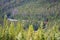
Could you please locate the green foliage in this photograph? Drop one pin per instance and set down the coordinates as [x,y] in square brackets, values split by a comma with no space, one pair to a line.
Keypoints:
[33,10]
[17,32]
[30,8]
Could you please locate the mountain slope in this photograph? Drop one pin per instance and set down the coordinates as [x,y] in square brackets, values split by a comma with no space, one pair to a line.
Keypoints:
[39,9]
[32,8]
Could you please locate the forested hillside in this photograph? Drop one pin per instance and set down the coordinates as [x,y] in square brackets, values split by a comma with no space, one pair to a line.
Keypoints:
[31,9]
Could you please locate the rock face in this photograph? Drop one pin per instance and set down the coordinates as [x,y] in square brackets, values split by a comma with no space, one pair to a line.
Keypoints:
[12,20]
